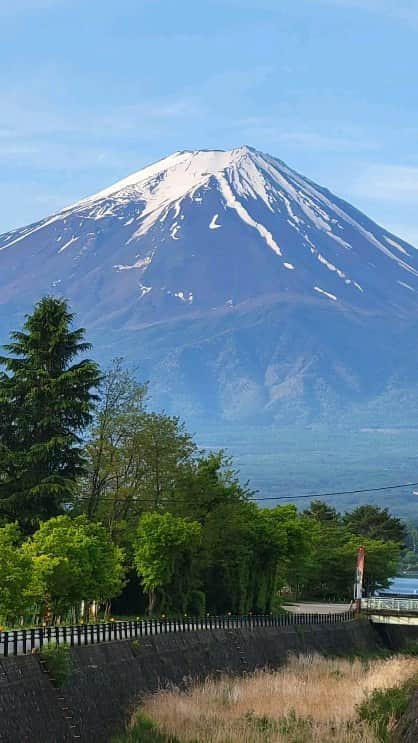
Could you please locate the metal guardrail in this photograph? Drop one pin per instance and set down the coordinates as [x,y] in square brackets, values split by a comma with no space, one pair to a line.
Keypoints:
[390,604]
[23,641]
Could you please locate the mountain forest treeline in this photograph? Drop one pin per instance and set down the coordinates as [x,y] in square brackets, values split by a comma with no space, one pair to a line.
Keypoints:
[104,500]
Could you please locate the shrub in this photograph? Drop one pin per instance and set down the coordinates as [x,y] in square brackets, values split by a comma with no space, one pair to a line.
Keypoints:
[144,731]
[383,708]
[411,648]
[58,662]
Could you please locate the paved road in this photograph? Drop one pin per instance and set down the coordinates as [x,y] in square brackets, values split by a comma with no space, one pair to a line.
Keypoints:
[316,608]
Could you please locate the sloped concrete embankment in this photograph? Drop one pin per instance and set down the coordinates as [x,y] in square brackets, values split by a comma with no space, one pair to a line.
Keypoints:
[108,680]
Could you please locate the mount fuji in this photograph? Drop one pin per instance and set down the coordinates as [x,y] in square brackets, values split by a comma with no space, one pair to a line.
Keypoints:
[241,289]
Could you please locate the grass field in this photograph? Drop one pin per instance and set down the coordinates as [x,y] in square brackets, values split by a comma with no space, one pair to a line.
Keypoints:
[311,700]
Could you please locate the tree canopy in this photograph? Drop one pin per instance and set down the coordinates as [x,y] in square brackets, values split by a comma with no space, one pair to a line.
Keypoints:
[165,551]
[16,572]
[376,523]
[46,400]
[73,560]
[96,489]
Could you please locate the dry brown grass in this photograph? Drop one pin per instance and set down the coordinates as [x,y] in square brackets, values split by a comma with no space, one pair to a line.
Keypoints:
[310,699]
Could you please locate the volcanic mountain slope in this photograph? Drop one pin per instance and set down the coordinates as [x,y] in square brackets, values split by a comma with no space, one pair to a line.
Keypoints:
[240,287]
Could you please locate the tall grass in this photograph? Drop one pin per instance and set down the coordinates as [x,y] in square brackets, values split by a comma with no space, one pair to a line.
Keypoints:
[312,699]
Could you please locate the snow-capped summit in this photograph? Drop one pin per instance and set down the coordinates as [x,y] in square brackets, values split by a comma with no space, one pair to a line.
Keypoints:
[201,240]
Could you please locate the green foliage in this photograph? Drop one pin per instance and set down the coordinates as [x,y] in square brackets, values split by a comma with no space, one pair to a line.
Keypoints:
[149,500]
[375,523]
[409,562]
[384,707]
[165,549]
[204,483]
[135,456]
[321,511]
[46,402]
[144,731]
[228,541]
[15,571]
[329,569]
[73,560]
[409,559]
[410,648]
[58,662]
[296,729]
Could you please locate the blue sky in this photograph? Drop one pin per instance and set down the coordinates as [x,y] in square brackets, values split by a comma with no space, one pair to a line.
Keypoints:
[92,90]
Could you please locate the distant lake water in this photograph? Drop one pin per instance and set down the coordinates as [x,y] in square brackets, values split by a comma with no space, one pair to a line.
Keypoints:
[404,584]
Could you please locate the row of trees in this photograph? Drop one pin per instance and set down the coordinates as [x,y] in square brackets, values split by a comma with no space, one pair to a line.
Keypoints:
[98,494]
[65,563]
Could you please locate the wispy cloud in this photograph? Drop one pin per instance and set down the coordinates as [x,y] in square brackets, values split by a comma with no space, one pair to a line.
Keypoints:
[279,130]
[392,183]
[19,115]
[48,137]
[405,10]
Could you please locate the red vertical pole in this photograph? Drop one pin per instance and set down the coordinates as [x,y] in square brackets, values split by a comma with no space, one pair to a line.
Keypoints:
[358,586]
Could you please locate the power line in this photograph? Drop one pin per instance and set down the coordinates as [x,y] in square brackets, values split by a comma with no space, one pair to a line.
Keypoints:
[342,492]
[312,496]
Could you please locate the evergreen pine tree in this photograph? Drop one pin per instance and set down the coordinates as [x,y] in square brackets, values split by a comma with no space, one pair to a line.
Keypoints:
[46,401]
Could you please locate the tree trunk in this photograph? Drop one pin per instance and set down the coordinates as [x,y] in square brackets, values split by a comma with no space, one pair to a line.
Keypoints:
[152,600]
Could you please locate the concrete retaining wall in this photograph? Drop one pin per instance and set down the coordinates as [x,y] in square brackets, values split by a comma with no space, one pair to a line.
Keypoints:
[108,680]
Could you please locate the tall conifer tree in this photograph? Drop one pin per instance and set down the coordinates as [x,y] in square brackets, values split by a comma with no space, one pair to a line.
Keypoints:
[46,400]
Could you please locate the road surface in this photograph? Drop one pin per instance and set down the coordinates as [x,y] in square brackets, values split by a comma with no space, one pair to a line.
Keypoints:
[316,608]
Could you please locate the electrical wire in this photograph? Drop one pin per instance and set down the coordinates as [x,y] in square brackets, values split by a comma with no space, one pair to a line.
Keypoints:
[312,496]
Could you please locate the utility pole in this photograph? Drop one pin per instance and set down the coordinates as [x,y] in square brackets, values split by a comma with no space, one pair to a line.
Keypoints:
[358,586]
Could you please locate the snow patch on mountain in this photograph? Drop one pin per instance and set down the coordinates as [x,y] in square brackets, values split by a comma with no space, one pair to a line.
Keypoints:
[174,231]
[246,180]
[184,296]
[396,245]
[231,277]
[69,242]
[233,203]
[271,231]
[144,290]
[214,223]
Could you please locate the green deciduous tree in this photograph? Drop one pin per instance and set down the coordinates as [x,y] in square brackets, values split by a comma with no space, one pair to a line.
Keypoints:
[135,456]
[227,557]
[381,561]
[73,561]
[46,399]
[16,575]
[203,483]
[249,555]
[165,557]
[331,567]
[114,465]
